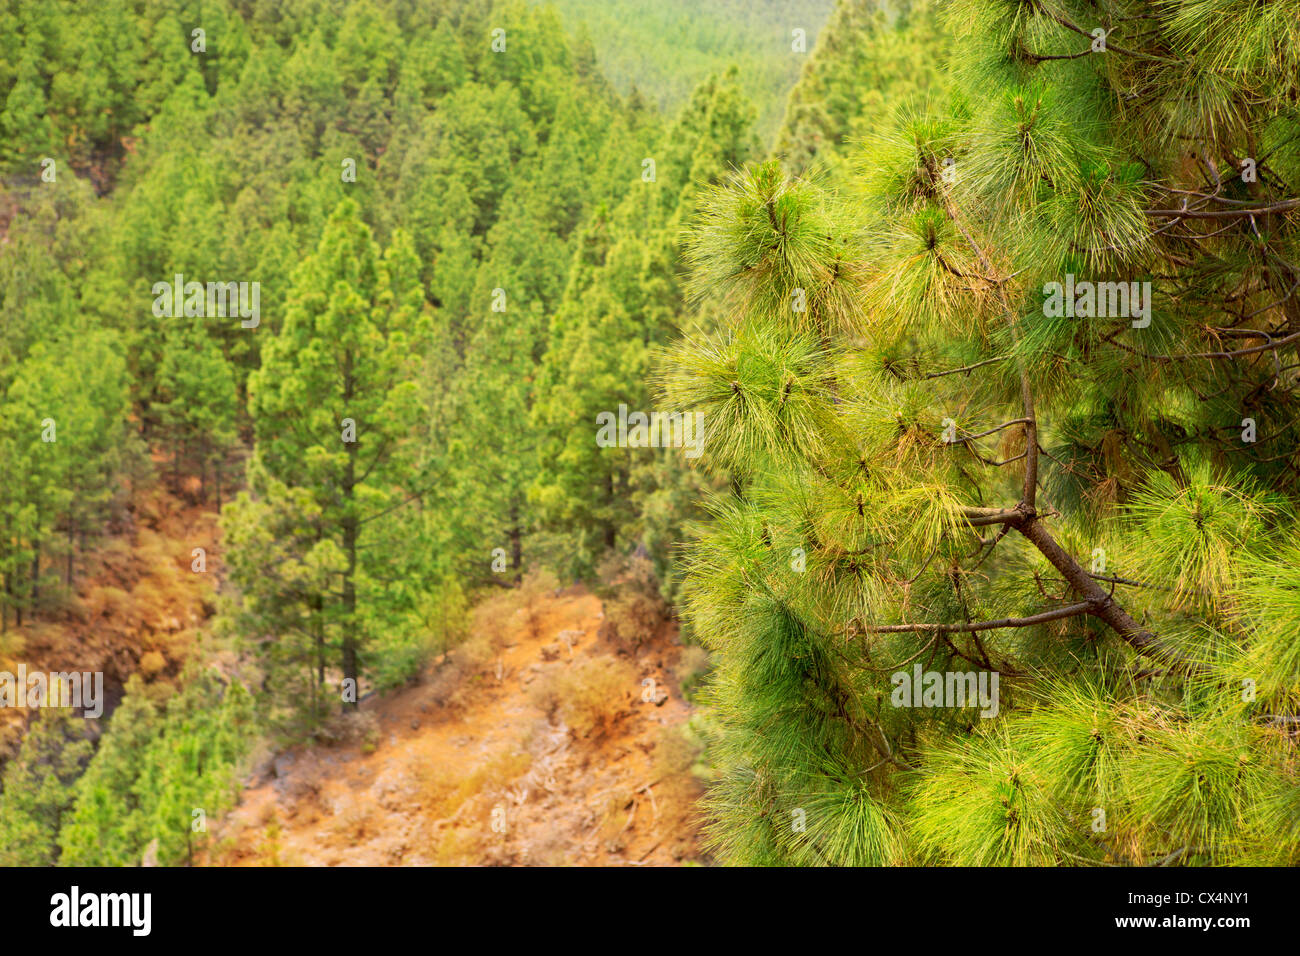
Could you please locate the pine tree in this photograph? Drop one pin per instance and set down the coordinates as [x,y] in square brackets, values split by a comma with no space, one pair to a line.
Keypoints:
[104,827]
[167,754]
[621,303]
[334,406]
[197,404]
[36,788]
[944,469]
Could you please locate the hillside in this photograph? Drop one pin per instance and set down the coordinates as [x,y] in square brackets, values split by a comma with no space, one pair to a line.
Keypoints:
[531,745]
[437,219]
[665,48]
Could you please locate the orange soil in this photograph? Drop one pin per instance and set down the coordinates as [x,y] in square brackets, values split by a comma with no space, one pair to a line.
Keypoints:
[480,773]
[137,605]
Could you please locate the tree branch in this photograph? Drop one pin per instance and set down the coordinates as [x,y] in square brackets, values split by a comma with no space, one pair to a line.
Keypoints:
[1282,206]
[965,368]
[1072,610]
[995,428]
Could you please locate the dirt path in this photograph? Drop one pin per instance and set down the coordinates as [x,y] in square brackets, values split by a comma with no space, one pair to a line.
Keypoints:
[477,764]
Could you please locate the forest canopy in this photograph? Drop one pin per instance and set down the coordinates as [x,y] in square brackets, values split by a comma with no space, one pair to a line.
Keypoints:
[322,320]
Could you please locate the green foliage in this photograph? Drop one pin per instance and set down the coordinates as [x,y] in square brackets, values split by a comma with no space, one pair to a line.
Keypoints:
[36,789]
[161,760]
[870,56]
[334,406]
[475,171]
[932,469]
[665,48]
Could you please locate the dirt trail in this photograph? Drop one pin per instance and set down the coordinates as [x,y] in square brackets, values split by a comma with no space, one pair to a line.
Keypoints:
[477,765]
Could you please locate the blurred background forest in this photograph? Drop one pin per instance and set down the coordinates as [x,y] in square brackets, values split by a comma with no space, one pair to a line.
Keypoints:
[463,250]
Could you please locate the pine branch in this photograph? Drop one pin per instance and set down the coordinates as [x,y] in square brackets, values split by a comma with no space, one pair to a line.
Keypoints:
[1072,610]
[1070,25]
[1187,356]
[1104,605]
[1100,604]
[995,428]
[1282,206]
[965,368]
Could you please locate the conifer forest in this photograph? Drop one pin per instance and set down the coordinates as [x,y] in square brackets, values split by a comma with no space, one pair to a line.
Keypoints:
[608,433]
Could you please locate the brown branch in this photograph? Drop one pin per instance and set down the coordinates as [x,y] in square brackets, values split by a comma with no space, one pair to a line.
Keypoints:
[982,517]
[1186,356]
[995,428]
[1065,22]
[965,368]
[1100,604]
[1104,606]
[1282,206]
[1072,610]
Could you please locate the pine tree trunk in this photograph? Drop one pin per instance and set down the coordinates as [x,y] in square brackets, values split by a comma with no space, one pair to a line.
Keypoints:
[350,609]
[318,685]
[350,552]
[608,524]
[72,548]
[36,568]
[516,543]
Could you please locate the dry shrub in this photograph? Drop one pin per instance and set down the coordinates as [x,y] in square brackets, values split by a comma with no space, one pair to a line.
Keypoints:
[634,611]
[269,851]
[456,679]
[354,727]
[675,752]
[535,584]
[352,821]
[500,612]
[490,620]
[442,791]
[476,653]
[495,619]
[612,811]
[152,663]
[436,787]
[459,847]
[678,789]
[632,620]
[588,694]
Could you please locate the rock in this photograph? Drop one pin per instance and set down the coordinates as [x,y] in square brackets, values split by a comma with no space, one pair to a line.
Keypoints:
[262,771]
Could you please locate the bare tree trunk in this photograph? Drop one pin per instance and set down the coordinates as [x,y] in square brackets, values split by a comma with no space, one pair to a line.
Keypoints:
[608,524]
[72,549]
[350,531]
[516,542]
